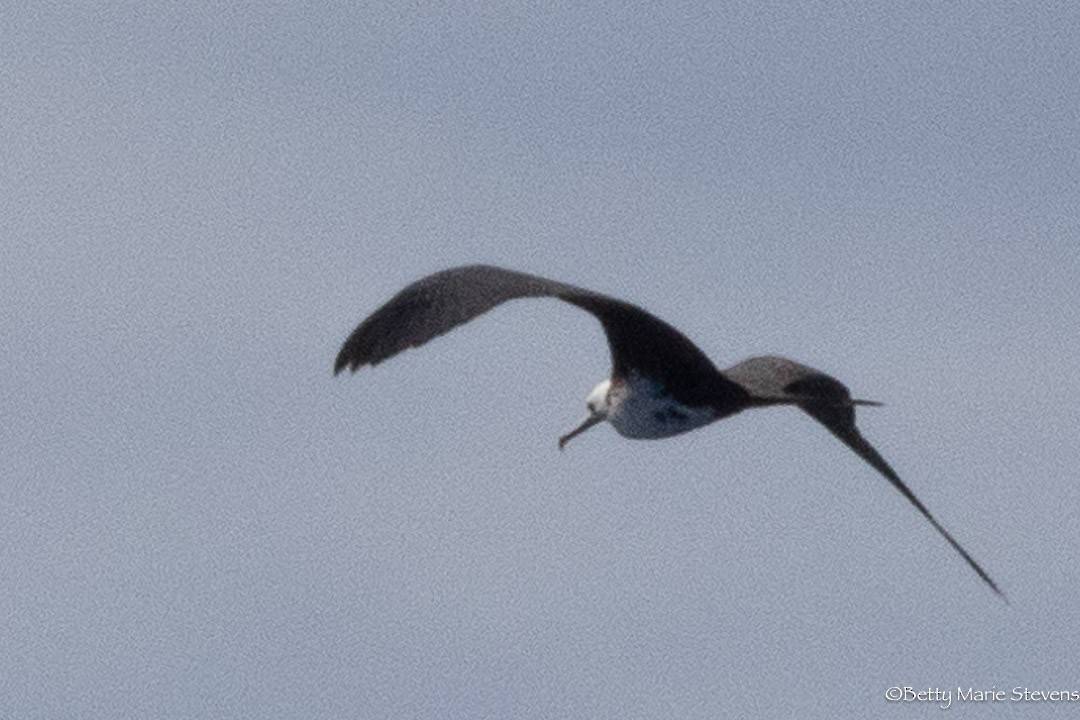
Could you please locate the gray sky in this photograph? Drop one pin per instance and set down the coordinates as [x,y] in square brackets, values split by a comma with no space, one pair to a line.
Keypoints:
[199,521]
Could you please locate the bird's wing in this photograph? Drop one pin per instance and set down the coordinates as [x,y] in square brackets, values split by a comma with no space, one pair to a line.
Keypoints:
[433,306]
[773,380]
[842,425]
[438,303]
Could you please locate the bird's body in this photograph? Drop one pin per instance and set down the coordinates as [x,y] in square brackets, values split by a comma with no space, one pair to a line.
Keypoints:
[639,408]
[661,384]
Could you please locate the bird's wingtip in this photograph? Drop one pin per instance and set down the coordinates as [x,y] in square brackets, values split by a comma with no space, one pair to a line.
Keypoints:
[341,363]
[993,586]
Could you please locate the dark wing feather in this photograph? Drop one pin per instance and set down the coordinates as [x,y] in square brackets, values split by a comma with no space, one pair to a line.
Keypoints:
[438,303]
[643,343]
[842,425]
[774,380]
[433,306]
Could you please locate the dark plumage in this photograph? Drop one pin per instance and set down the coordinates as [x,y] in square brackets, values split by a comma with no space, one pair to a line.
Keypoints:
[661,383]
[438,303]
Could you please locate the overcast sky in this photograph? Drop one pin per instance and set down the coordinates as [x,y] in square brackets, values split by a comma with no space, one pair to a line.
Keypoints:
[200,201]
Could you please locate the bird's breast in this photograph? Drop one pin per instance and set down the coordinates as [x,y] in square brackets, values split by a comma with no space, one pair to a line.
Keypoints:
[640,408]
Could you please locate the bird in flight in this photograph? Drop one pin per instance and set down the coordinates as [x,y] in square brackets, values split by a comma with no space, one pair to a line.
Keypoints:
[661,384]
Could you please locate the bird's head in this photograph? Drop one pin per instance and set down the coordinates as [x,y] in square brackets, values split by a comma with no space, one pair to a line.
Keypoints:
[598,404]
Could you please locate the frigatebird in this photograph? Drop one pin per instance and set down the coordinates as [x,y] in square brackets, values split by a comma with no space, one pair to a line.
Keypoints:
[661,384]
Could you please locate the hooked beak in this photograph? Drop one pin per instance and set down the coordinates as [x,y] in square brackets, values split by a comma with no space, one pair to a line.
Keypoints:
[589,422]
